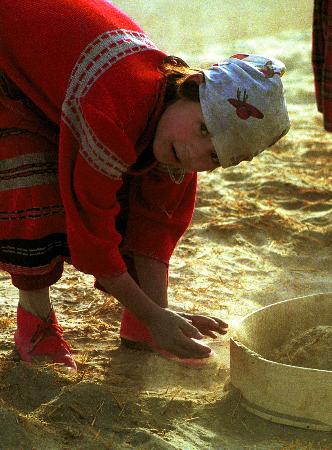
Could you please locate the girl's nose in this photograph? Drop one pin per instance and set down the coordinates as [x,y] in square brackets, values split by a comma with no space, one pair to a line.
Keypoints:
[206,151]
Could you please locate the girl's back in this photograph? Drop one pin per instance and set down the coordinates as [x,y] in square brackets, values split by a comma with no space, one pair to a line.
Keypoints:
[41,42]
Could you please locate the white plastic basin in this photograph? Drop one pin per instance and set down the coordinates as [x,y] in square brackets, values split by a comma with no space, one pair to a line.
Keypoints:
[282,393]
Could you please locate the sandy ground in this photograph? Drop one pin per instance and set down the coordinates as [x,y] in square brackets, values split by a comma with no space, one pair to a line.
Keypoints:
[261,233]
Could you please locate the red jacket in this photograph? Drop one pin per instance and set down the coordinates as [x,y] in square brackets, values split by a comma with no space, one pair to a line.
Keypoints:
[93,72]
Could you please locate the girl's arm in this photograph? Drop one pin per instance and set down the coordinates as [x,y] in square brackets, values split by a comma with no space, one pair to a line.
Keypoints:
[148,303]
[170,331]
[153,278]
[129,294]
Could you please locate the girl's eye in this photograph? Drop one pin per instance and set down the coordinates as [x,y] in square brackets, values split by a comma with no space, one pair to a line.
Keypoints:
[204,130]
[214,158]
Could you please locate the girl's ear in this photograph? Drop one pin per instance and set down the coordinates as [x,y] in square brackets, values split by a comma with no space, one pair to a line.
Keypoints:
[197,77]
[189,87]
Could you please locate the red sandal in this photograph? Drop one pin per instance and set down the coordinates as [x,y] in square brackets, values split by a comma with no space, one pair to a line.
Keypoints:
[42,340]
[136,336]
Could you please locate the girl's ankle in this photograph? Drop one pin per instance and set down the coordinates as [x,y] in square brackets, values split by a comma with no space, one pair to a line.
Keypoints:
[36,302]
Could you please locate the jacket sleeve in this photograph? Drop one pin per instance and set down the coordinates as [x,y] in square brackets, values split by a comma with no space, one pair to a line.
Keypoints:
[92,159]
[159,213]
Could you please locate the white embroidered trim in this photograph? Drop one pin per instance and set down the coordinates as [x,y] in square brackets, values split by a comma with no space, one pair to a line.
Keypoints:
[98,57]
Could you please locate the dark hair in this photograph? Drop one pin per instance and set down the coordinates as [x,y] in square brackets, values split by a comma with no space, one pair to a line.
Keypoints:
[177,73]
[178,83]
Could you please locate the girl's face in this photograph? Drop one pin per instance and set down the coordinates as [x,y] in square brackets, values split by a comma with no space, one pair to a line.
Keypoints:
[182,139]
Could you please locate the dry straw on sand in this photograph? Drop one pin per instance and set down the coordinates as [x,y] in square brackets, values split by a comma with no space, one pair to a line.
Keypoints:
[311,348]
[261,233]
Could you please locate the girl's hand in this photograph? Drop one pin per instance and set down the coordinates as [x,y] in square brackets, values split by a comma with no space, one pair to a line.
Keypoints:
[208,326]
[175,334]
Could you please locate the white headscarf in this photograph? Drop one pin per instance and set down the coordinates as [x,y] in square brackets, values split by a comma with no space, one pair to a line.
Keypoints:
[243,106]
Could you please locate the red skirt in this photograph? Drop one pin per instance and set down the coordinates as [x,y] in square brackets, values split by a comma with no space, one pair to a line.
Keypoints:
[322,58]
[33,243]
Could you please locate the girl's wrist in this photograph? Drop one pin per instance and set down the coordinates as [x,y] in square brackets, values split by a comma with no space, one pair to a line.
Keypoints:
[153,278]
[130,295]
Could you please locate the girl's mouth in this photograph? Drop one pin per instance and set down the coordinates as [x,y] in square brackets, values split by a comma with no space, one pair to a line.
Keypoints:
[175,154]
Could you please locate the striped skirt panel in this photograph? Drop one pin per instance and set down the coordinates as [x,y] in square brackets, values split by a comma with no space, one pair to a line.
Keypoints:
[33,241]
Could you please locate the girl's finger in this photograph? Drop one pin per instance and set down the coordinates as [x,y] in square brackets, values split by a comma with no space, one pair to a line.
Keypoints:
[190,330]
[190,348]
[208,322]
[210,334]
[221,322]
[205,322]
[209,326]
